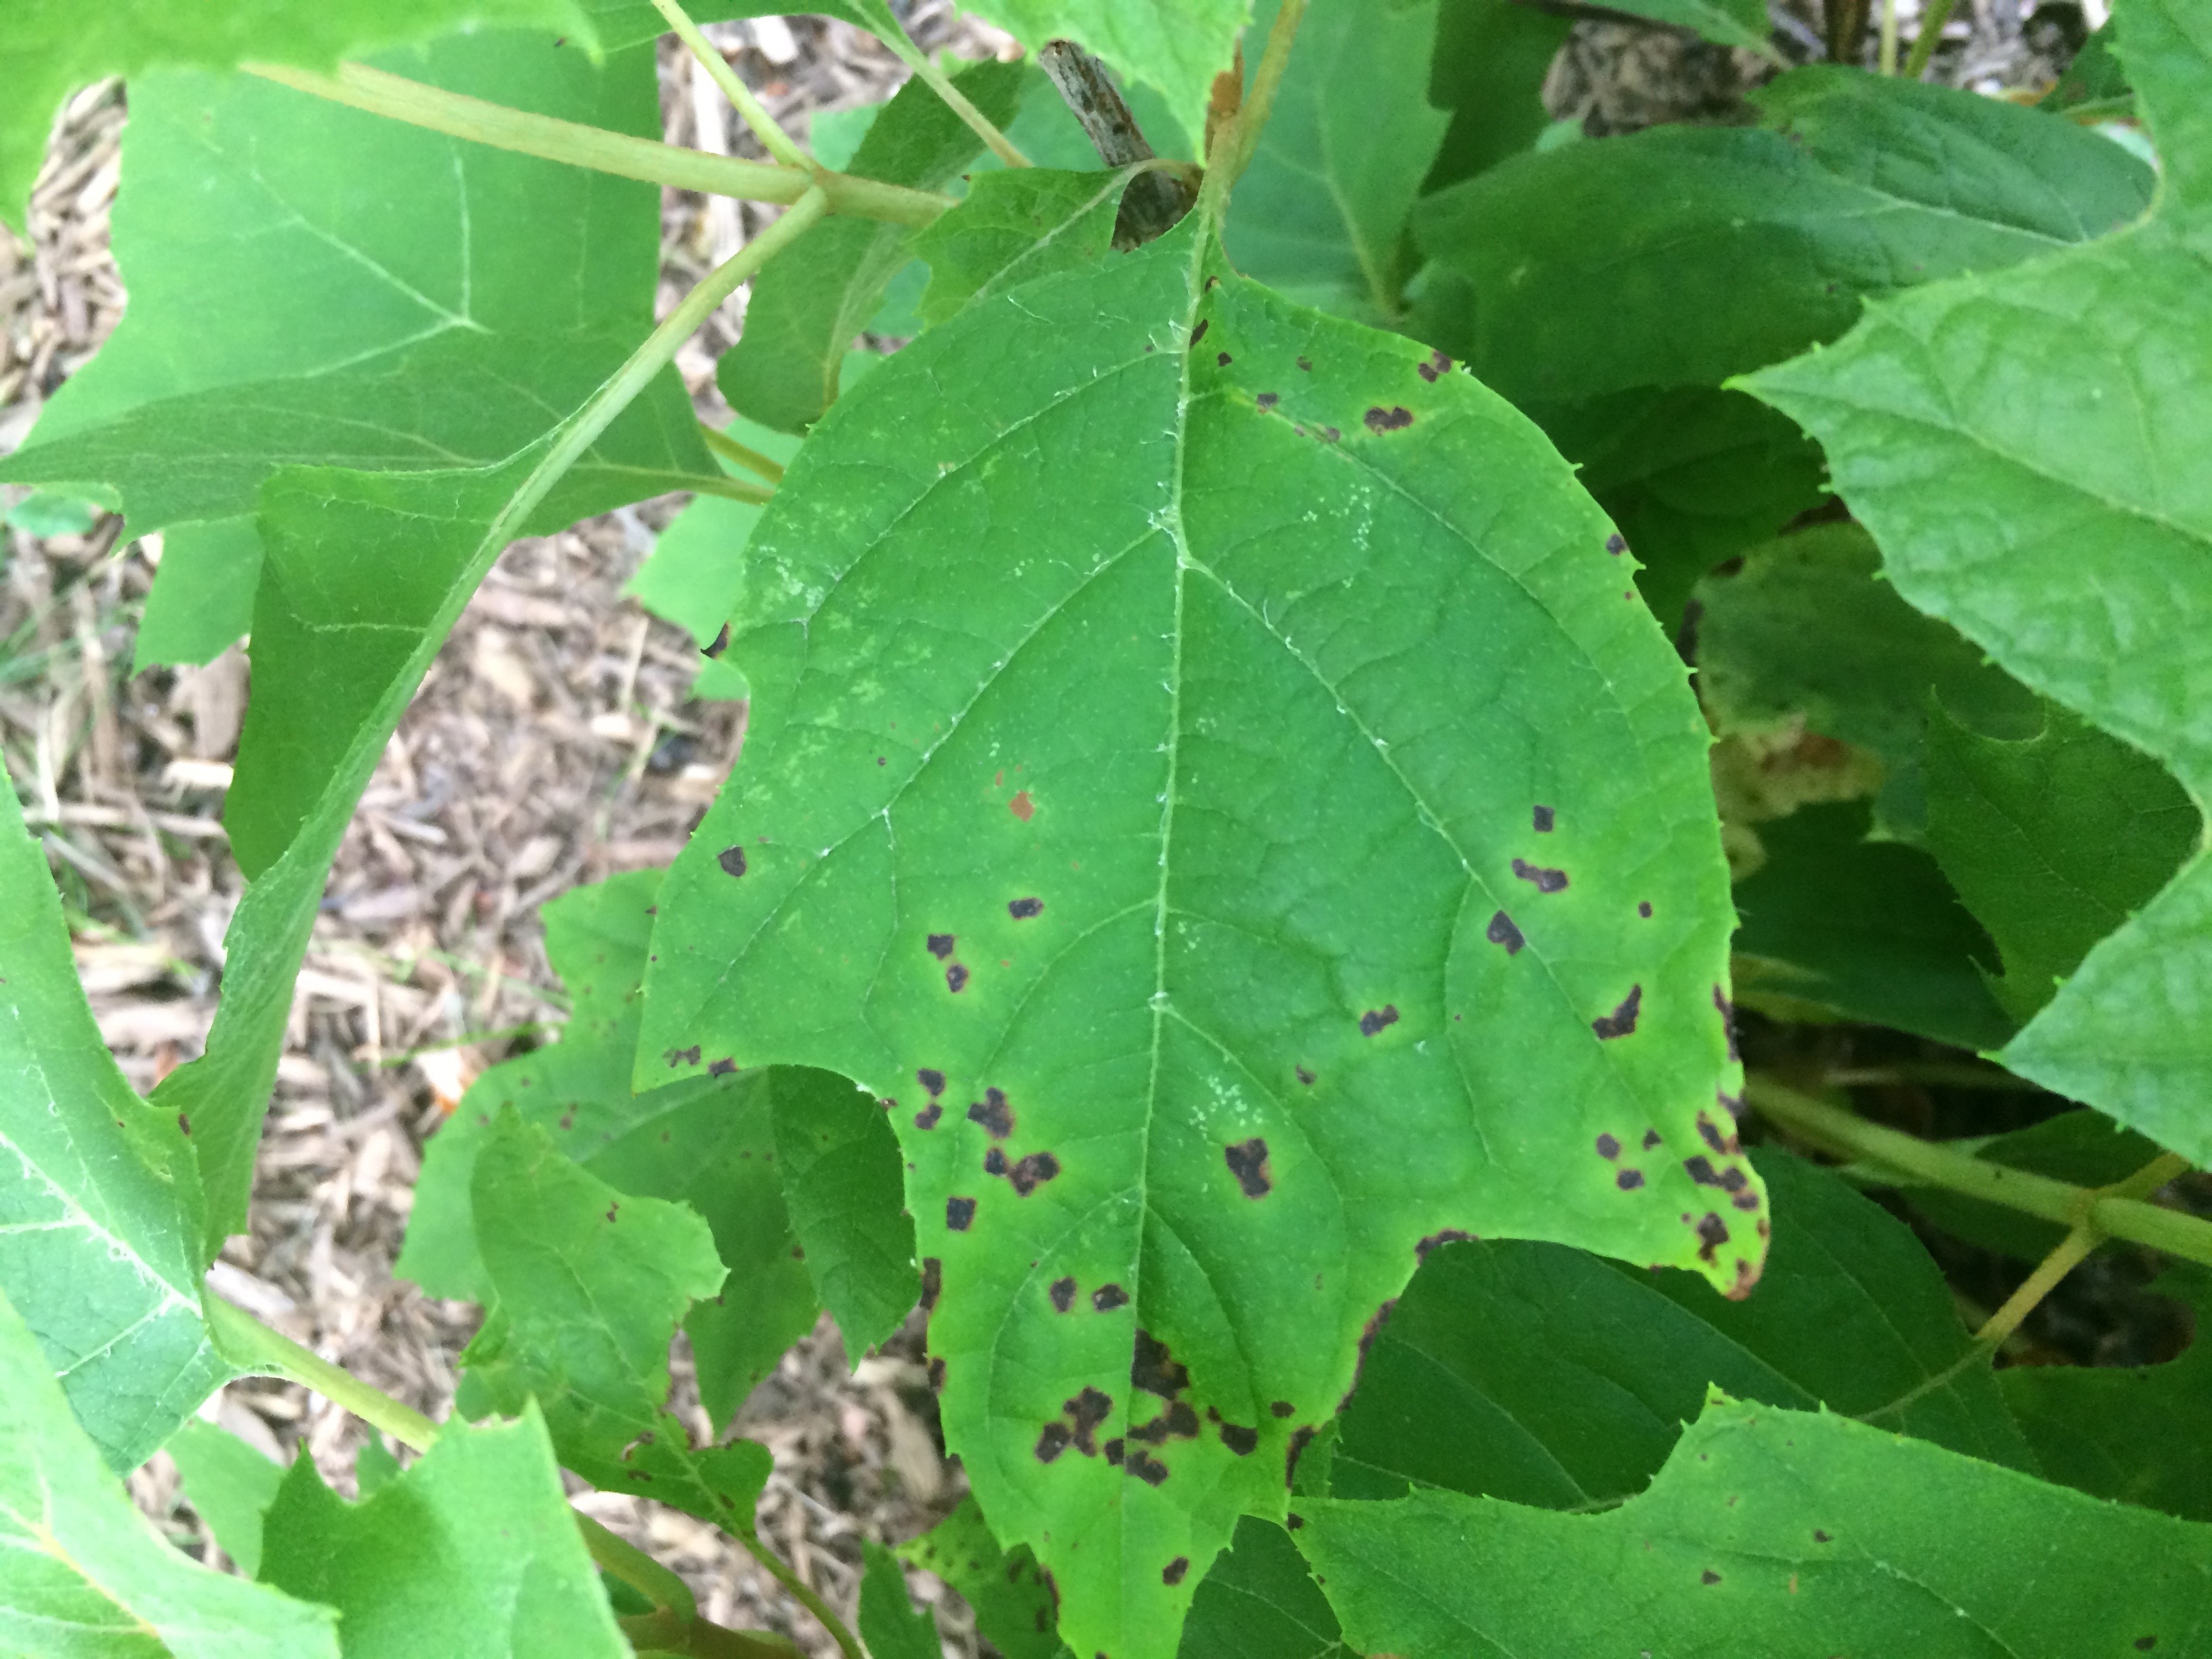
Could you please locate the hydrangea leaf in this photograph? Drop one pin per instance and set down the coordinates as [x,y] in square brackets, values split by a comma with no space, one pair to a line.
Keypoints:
[1681,255]
[1547,1376]
[1176,47]
[2025,447]
[100,1200]
[1320,215]
[1137,865]
[709,1142]
[1807,631]
[1819,1534]
[48,48]
[230,1485]
[81,1568]
[1016,225]
[2052,840]
[313,285]
[842,1182]
[805,308]
[591,1284]
[473,1550]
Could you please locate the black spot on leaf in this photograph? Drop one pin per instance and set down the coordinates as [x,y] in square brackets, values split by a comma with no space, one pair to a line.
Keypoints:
[993,1113]
[1173,1572]
[1390,420]
[1545,820]
[1267,400]
[1241,1440]
[184,1124]
[933,1281]
[1820,1537]
[1644,909]
[1063,1294]
[1375,1019]
[1154,1370]
[1745,1201]
[1709,1576]
[959,1213]
[1221,360]
[733,860]
[1608,1146]
[956,977]
[1084,1413]
[1114,1449]
[1329,434]
[1502,931]
[1107,1298]
[940,946]
[994,1162]
[1022,909]
[1701,1170]
[721,643]
[1438,365]
[1544,881]
[1712,1233]
[1616,544]
[1199,333]
[928,1116]
[1300,1439]
[1055,1438]
[1247,1162]
[1622,1020]
[676,1057]
[1629,1179]
[1283,1408]
[1732,1104]
[1032,1172]
[1306,364]
[932,1080]
[1728,1021]
[1651,1139]
[722,1067]
[1147,1469]
[1304,1076]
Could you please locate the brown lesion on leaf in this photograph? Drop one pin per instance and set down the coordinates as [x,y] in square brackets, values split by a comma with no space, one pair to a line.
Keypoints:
[1177,1422]
[1608,1147]
[1395,419]
[1545,819]
[930,1079]
[1621,1022]
[959,1213]
[993,1112]
[1300,1439]
[1712,1233]
[1721,1140]
[1022,909]
[1376,1019]
[1502,931]
[1542,879]
[1247,1162]
[1107,1298]
[1435,368]
[1239,1439]
[940,946]
[1032,1172]
[1172,1574]
[1303,1075]
[1021,806]
[1154,1369]
[1063,1295]
[1434,1241]
[677,1057]
[1629,1179]
[1146,1468]
[928,1116]
[956,979]
[933,1281]
[733,860]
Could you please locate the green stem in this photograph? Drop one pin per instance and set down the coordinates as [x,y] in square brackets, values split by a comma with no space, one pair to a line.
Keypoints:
[459,116]
[1934,1165]
[662,1632]
[735,489]
[941,84]
[1887,60]
[848,1644]
[1234,146]
[749,458]
[1924,44]
[774,138]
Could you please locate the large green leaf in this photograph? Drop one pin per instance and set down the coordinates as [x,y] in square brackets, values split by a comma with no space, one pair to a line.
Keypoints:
[1868,929]
[1544,1376]
[2025,448]
[842,1184]
[230,1483]
[48,48]
[1016,225]
[1175,47]
[1260,1602]
[709,1142]
[807,307]
[2141,1433]
[1487,68]
[1013,1602]
[889,1622]
[1772,1532]
[81,1570]
[474,1550]
[1209,771]
[311,284]
[2053,842]
[1320,215]
[591,1284]
[1681,255]
[1808,631]
[100,1202]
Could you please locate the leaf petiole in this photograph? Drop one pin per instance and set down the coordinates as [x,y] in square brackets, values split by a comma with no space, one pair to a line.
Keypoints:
[1234,148]
[741,454]
[893,35]
[778,142]
[459,116]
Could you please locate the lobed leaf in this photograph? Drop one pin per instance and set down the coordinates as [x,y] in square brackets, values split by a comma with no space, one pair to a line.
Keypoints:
[1547,1376]
[1320,215]
[807,307]
[82,1572]
[100,1202]
[1013,1602]
[843,1181]
[590,1285]
[1815,1534]
[1681,255]
[1014,226]
[2024,445]
[889,1622]
[1137,865]
[230,1485]
[474,1550]
[1260,1602]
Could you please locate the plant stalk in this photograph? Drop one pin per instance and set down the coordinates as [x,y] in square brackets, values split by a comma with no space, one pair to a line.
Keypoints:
[1235,145]
[459,116]
[939,82]
[1924,44]
[2114,1215]
[778,142]
[661,1631]
[742,454]
[848,1644]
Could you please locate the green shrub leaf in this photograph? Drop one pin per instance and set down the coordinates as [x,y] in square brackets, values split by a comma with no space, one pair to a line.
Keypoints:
[473,1550]
[230,1483]
[1547,1376]
[843,1184]
[2053,842]
[1013,1604]
[1798,1533]
[99,1224]
[1175,47]
[2023,446]
[591,1284]
[805,308]
[709,1142]
[1681,255]
[79,1566]
[1488,68]
[1260,1599]
[1320,216]
[889,1622]
[1740,23]
[1014,226]
[993,852]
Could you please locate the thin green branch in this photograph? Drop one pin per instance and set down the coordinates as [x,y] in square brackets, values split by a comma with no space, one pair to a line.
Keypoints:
[742,455]
[1924,44]
[459,116]
[735,489]
[939,82]
[244,1340]
[848,1644]
[1888,58]
[662,1632]
[1915,1160]
[778,142]
[1235,145]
